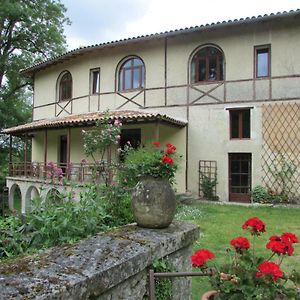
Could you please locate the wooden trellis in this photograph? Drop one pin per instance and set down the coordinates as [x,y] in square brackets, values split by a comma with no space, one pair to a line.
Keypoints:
[281,151]
[208,169]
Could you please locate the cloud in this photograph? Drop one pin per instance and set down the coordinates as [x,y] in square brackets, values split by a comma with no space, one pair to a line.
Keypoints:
[97,21]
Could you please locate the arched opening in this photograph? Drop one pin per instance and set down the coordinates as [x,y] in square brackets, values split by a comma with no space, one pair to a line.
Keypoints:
[31,194]
[131,74]
[65,86]
[15,198]
[54,196]
[207,65]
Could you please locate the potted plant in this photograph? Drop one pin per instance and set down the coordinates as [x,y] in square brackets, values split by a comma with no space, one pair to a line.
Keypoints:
[151,171]
[247,276]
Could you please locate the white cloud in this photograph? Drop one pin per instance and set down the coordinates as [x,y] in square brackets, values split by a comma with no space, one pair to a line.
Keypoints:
[117,21]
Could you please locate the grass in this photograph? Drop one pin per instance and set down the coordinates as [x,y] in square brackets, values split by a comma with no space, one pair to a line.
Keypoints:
[220,223]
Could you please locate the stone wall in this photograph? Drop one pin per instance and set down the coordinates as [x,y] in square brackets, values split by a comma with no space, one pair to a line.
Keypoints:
[108,266]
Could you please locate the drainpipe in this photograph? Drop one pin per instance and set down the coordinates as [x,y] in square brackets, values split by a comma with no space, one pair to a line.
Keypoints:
[10,155]
[25,155]
[68,170]
[45,152]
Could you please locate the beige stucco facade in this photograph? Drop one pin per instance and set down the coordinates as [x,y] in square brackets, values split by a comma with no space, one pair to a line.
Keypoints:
[168,89]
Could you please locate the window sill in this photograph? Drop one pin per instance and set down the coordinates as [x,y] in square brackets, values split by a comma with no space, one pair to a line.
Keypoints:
[132,90]
[240,139]
[207,82]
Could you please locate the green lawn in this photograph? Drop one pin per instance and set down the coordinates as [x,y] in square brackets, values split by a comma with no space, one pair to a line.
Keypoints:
[221,223]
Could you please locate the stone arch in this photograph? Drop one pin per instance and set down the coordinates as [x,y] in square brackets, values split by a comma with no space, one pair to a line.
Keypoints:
[32,192]
[13,197]
[55,194]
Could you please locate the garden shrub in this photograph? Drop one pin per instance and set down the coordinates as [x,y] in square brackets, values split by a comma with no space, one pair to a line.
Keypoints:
[260,194]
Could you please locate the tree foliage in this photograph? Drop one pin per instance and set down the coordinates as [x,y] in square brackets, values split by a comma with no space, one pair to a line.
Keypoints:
[30,31]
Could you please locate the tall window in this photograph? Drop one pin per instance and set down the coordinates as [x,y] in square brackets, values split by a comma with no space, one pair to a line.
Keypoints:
[65,86]
[262,61]
[207,65]
[239,123]
[95,81]
[132,74]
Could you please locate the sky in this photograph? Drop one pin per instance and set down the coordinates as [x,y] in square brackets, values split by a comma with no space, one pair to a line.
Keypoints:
[98,21]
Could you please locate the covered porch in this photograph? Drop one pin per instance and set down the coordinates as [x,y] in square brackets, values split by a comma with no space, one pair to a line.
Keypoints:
[58,159]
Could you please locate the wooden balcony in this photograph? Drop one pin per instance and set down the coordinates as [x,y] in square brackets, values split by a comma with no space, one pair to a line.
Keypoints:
[73,172]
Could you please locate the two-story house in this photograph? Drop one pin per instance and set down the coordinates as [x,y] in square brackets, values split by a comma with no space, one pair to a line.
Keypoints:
[227,94]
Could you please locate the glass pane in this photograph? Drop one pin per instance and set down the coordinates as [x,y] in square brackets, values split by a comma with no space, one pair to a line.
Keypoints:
[234,117]
[212,68]
[235,167]
[137,62]
[127,78]
[235,180]
[246,124]
[245,167]
[244,180]
[221,69]
[262,63]
[121,80]
[143,77]
[193,71]
[212,51]
[127,64]
[136,78]
[202,70]
[96,82]
[201,53]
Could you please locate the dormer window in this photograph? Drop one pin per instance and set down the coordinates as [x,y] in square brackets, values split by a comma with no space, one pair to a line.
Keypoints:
[207,65]
[65,86]
[132,74]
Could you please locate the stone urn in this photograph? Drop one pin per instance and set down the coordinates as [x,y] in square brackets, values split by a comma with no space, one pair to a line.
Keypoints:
[153,202]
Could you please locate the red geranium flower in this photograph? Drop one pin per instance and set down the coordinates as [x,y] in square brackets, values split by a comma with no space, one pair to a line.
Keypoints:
[169,145]
[167,160]
[200,257]
[240,243]
[269,268]
[292,238]
[255,225]
[280,245]
[156,144]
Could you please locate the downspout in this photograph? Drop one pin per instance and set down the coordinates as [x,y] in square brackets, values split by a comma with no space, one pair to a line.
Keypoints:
[45,152]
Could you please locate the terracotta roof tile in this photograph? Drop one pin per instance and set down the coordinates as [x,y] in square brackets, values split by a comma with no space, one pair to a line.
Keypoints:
[126,116]
[142,38]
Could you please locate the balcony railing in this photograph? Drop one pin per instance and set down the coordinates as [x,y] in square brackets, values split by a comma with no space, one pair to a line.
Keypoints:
[76,172]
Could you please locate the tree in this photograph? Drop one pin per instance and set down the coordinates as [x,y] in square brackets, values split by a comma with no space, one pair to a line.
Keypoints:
[31,31]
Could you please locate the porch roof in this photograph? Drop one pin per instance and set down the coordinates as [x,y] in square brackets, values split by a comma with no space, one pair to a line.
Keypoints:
[88,119]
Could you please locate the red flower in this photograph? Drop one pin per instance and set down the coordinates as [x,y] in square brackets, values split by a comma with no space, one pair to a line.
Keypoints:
[269,268]
[156,144]
[200,257]
[240,243]
[169,145]
[169,151]
[280,245]
[292,238]
[167,160]
[256,225]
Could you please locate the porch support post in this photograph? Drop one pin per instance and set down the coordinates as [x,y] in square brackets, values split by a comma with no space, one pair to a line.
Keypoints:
[25,155]
[45,151]
[10,169]
[68,170]
[156,133]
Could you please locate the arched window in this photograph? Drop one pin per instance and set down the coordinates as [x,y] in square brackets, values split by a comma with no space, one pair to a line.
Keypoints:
[132,74]
[65,86]
[207,65]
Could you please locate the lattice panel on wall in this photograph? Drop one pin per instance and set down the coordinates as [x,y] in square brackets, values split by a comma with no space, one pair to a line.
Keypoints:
[281,148]
[208,170]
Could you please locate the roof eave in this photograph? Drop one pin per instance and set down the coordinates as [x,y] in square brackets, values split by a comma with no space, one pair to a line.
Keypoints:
[213,26]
